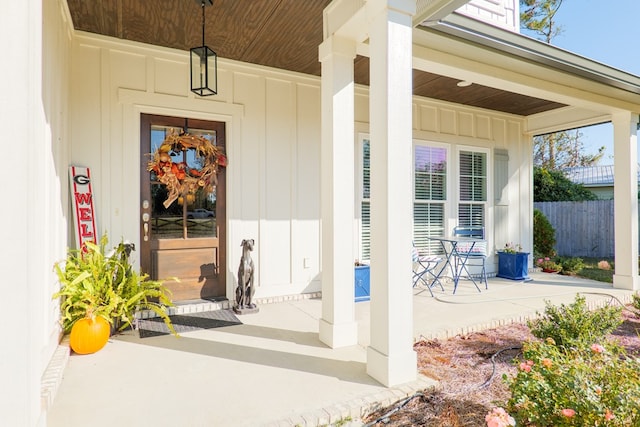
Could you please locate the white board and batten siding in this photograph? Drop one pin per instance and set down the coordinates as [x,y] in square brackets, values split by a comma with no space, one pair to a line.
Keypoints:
[273,146]
[501,13]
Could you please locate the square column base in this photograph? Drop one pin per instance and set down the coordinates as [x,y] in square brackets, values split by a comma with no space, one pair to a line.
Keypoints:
[626,282]
[338,335]
[392,370]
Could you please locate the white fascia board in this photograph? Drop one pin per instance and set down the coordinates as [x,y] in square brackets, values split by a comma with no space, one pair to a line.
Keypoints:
[562,119]
[534,50]
[435,10]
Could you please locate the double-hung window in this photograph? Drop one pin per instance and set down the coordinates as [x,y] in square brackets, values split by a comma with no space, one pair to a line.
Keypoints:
[473,187]
[430,181]
[365,203]
[429,196]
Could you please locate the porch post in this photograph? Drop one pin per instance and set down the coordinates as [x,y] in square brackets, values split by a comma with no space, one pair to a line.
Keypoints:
[338,327]
[625,195]
[390,356]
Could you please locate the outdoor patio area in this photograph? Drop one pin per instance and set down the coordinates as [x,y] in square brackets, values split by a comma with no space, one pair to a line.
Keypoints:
[272,369]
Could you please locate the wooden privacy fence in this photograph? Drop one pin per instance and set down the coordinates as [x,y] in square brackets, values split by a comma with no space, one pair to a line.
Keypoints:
[583,229]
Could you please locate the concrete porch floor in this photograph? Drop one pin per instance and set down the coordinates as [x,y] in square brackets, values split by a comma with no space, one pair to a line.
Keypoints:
[272,370]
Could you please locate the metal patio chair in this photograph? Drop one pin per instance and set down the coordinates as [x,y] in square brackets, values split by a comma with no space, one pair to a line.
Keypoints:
[470,254]
[423,266]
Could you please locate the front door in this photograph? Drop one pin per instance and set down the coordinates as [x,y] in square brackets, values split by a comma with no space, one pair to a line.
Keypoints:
[183,238]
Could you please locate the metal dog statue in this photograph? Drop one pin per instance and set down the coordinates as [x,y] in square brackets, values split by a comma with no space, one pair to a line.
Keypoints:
[246,288]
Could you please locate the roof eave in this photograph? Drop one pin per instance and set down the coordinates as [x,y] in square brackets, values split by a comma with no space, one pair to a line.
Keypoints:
[525,47]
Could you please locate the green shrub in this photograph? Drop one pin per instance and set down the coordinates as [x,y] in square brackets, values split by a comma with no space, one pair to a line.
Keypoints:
[591,386]
[574,325]
[570,265]
[544,235]
[635,303]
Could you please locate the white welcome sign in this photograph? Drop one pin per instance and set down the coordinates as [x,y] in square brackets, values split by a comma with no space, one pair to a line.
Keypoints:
[83,210]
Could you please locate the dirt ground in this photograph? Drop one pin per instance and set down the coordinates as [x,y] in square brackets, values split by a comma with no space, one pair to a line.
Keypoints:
[469,386]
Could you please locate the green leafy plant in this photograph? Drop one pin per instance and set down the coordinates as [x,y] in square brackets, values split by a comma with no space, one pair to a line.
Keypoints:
[571,265]
[591,386]
[547,264]
[512,248]
[544,235]
[574,325]
[635,303]
[94,283]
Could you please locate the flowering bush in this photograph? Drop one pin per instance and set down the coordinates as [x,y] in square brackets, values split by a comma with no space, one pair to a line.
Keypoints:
[604,265]
[589,386]
[547,264]
[574,325]
[512,248]
[498,417]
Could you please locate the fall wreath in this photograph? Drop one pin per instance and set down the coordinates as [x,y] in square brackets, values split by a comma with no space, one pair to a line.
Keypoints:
[179,178]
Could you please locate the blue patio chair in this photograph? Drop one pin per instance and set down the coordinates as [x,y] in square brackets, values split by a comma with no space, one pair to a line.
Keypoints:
[470,254]
[423,266]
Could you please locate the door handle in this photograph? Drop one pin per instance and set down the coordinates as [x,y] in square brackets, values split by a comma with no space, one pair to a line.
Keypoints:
[145,226]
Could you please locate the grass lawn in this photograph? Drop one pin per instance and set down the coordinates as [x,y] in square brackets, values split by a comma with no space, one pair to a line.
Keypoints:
[591,270]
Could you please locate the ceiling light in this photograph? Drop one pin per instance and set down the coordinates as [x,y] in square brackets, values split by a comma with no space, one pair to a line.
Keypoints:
[204,64]
[464,83]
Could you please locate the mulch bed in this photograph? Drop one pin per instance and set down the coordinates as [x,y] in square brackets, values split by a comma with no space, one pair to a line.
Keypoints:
[468,386]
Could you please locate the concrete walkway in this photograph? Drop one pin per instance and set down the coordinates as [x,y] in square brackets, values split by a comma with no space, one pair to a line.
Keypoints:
[272,370]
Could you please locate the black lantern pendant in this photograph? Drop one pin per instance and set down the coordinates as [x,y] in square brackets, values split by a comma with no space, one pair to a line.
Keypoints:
[204,64]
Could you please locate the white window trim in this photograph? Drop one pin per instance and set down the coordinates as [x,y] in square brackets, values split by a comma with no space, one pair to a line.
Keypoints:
[486,203]
[489,203]
[449,202]
[358,199]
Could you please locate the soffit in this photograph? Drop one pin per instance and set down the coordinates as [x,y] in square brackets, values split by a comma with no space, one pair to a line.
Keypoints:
[282,34]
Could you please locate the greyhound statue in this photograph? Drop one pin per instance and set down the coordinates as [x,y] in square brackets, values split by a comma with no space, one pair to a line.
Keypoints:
[245,289]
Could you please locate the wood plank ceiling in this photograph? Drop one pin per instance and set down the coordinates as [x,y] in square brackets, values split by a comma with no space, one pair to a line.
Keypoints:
[276,33]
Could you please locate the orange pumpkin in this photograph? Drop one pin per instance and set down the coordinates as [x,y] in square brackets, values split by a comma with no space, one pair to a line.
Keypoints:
[89,335]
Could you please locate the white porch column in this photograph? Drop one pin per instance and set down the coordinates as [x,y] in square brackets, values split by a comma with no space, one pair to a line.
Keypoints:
[338,327]
[625,194]
[390,356]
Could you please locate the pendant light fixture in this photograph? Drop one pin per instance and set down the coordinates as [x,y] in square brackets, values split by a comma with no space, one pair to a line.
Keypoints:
[204,64]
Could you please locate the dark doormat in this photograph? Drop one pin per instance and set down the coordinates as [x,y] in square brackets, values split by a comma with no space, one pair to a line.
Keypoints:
[187,322]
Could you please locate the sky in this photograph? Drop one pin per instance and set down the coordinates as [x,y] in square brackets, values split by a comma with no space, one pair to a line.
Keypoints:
[605,31]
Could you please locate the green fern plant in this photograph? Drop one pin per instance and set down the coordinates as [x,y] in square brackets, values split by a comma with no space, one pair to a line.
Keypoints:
[106,285]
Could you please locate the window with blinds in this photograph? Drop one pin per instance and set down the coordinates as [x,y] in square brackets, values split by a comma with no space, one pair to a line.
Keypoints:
[430,195]
[473,188]
[365,205]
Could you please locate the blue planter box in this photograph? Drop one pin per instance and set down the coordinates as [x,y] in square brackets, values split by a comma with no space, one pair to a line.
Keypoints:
[513,266]
[362,286]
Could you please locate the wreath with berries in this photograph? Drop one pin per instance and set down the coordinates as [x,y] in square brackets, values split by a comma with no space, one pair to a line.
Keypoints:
[179,178]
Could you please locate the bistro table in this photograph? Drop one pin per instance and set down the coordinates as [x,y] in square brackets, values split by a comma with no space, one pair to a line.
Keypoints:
[460,257]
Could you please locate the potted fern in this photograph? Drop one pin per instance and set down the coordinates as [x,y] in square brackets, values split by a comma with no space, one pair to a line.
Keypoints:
[95,286]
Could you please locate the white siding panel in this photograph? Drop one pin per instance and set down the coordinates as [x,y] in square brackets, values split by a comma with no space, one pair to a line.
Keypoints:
[499,128]
[483,127]
[448,121]
[249,91]
[87,109]
[428,118]
[361,105]
[128,70]
[466,124]
[171,77]
[275,231]
[305,245]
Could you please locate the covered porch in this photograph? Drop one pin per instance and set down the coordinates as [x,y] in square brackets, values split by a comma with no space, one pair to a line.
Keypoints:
[221,376]
[491,68]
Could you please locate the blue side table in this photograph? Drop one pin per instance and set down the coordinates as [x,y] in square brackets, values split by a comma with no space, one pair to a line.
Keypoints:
[362,284]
